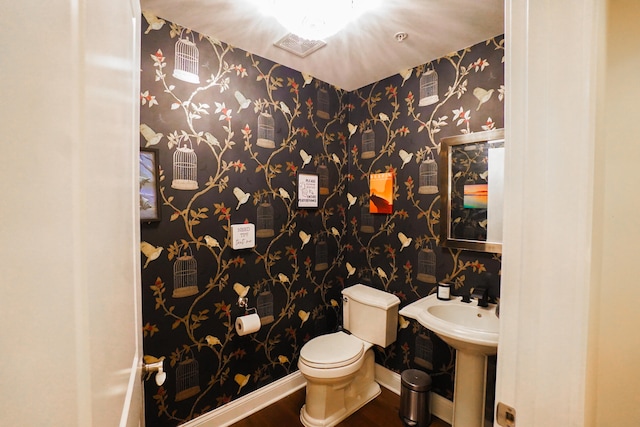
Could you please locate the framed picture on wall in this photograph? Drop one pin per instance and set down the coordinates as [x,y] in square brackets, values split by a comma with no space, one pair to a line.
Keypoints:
[381,193]
[149,185]
[308,190]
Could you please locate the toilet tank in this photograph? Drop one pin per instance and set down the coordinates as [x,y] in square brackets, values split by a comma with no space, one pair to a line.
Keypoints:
[370,314]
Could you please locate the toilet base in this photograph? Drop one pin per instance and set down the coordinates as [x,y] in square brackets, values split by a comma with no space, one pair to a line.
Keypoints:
[351,406]
[336,399]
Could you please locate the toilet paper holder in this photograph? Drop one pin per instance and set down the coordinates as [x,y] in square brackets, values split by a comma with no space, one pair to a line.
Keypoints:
[243,302]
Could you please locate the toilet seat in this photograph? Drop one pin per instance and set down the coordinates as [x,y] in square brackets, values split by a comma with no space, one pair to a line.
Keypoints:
[332,351]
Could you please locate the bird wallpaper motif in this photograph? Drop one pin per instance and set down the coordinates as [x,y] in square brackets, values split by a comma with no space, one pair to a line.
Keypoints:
[233,131]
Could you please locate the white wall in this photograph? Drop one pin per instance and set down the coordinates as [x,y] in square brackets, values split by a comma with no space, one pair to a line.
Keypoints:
[614,374]
[69,255]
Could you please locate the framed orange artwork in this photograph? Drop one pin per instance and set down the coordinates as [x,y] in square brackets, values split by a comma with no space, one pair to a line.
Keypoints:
[381,193]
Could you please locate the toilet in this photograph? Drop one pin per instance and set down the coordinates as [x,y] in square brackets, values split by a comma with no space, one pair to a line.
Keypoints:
[339,367]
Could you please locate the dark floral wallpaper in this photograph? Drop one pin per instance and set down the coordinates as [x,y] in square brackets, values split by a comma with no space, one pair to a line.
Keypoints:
[232,131]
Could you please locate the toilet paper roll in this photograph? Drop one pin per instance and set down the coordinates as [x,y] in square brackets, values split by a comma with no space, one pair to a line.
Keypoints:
[248,324]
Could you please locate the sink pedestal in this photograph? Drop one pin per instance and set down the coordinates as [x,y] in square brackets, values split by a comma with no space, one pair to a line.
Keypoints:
[469,389]
[473,332]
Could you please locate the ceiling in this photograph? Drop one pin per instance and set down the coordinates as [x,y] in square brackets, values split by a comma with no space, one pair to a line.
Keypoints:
[363,53]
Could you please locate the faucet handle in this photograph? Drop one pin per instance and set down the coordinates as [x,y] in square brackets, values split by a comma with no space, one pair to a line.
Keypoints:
[482,295]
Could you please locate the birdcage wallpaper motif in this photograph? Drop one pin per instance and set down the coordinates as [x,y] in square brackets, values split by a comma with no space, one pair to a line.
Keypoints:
[427,265]
[266,131]
[264,224]
[265,307]
[323,179]
[368,144]
[428,177]
[322,255]
[185,275]
[190,319]
[424,351]
[428,88]
[367,220]
[365,275]
[323,103]
[187,58]
[187,379]
[185,169]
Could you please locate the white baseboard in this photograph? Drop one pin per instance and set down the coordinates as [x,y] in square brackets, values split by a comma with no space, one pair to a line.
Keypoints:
[241,408]
[249,404]
[388,379]
[440,406]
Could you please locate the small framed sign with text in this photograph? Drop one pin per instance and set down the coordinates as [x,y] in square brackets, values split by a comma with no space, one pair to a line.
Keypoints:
[308,190]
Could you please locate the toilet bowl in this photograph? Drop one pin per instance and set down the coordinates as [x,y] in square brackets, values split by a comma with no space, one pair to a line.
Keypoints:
[340,374]
[340,367]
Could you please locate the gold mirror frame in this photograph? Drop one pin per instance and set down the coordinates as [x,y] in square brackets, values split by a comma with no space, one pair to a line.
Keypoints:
[479,215]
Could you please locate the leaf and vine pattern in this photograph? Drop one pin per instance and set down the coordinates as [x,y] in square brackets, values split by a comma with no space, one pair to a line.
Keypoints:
[233,131]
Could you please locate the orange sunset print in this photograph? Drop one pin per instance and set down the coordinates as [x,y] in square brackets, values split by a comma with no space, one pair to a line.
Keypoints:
[476,196]
[381,193]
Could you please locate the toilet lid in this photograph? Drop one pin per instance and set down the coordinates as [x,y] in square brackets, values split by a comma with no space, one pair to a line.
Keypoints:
[332,350]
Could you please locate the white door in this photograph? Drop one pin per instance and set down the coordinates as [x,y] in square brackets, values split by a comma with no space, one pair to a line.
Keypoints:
[69,230]
[551,70]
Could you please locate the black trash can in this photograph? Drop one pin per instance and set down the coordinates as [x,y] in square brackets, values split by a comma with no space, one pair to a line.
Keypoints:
[414,398]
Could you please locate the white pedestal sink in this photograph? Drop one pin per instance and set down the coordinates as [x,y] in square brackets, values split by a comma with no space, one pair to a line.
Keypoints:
[473,332]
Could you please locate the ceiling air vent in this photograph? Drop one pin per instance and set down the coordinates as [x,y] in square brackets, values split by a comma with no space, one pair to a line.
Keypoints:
[298,45]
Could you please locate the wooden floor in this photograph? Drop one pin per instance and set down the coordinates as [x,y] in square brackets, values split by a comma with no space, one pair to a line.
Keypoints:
[382,411]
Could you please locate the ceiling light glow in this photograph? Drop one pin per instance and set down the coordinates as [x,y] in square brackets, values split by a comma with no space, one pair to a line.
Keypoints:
[316,19]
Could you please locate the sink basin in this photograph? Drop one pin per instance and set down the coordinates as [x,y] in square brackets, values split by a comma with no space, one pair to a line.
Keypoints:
[473,331]
[464,326]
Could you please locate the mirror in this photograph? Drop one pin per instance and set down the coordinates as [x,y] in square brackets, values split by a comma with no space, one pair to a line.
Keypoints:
[471,190]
